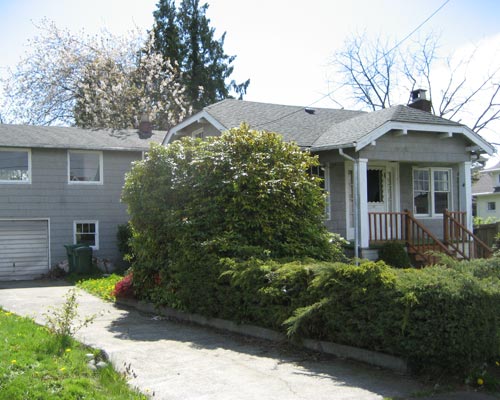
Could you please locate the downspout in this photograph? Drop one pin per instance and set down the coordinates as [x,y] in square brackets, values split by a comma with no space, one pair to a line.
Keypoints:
[356,203]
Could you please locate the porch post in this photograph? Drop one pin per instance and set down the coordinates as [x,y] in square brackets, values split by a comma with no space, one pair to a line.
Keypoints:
[364,234]
[465,191]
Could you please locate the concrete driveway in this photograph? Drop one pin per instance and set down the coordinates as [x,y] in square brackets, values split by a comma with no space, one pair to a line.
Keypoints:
[174,360]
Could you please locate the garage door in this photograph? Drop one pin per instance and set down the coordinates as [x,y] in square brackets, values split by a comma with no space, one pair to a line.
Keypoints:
[24,249]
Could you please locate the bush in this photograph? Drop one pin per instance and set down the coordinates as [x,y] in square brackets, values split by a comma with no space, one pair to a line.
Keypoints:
[435,317]
[123,237]
[451,318]
[394,254]
[124,288]
[242,195]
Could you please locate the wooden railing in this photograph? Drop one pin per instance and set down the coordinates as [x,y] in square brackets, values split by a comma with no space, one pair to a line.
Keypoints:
[422,242]
[386,226]
[402,226]
[460,239]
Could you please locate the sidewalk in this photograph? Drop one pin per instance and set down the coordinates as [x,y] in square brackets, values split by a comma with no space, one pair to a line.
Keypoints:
[174,360]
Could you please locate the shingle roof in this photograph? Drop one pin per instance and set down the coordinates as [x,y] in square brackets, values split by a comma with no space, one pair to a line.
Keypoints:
[75,138]
[485,184]
[293,122]
[352,130]
[487,181]
[324,127]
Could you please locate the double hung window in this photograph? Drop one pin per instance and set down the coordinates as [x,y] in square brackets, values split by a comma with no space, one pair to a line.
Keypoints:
[431,191]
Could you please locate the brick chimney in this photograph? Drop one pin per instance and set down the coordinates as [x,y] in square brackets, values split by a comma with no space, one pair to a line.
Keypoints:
[145,127]
[419,100]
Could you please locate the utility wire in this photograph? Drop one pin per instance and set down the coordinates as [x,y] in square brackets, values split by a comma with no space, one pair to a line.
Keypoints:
[375,62]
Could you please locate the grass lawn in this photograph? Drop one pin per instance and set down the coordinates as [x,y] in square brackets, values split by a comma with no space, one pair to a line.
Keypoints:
[35,364]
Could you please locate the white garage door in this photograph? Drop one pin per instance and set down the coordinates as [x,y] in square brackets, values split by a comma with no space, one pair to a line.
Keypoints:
[24,249]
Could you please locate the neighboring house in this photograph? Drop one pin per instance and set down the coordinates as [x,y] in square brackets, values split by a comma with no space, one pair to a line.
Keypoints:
[62,186]
[486,193]
[376,164]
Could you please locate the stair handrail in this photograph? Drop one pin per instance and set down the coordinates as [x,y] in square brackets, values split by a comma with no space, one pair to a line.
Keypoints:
[479,245]
[412,222]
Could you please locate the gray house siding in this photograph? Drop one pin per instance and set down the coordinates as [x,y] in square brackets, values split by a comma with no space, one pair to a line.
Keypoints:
[337,222]
[417,147]
[50,196]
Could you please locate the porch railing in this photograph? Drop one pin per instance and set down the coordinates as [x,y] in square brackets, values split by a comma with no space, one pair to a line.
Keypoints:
[457,241]
[460,239]
[402,226]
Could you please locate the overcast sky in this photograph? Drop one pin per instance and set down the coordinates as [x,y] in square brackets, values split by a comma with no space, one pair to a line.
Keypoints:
[283,46]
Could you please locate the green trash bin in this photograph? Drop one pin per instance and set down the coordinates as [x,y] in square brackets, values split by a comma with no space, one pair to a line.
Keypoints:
[83,259]
[70,251]
[79,259]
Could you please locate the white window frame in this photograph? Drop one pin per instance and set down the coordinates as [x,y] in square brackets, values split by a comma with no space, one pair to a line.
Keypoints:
[14,182]
[491,203]
[431,171]
[101,176]
[96,223]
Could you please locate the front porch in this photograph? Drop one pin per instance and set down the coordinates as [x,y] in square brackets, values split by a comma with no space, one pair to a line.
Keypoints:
[457,241]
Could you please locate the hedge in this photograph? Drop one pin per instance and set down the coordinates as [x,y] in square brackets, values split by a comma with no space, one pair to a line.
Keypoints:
[437,317]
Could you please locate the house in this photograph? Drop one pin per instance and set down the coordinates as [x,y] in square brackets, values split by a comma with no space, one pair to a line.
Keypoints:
[62,186]
[486,192]
[390,174]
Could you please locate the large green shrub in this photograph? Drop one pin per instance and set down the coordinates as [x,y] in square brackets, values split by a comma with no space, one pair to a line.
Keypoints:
[241,195]
[394,254]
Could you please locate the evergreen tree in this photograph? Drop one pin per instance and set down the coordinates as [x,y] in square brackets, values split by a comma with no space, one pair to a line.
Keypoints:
[185,37]
[166,34]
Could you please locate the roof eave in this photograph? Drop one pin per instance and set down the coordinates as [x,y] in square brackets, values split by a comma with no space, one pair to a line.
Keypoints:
[203,114]
[450,129]
[332,147]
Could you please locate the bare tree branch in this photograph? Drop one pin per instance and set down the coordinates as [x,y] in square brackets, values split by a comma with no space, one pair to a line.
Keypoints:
[376,74]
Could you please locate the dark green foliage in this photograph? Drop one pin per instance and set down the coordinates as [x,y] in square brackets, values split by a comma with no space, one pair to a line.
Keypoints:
[355,305]
[242,195]
[394,254]
[266,292]
[123,237]
[435,317]
[185,37]
[452,318]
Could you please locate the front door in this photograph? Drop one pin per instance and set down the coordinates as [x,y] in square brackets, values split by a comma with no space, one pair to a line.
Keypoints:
[381,180]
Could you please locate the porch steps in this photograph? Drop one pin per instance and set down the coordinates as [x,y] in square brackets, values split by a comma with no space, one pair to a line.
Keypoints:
[420,259]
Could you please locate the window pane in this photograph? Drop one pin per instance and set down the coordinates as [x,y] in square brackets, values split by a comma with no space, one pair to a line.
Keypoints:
[85,238]
[441,181]
[421,180]
[14,166]
[421,201]
[375,186]
[440,202]
[84,167]
[86,233]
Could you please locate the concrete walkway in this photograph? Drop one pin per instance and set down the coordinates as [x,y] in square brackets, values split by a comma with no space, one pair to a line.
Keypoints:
[173,360]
